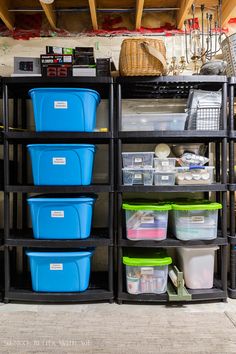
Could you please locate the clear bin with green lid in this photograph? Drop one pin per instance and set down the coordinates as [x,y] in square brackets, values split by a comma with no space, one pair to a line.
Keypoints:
[146,271]
[195,221]
[146,221]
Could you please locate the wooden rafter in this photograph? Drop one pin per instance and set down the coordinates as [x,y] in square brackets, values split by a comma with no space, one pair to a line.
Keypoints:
[93,13]
[139,13]
[48,7]
[5,15]
[229,6]
[184,7]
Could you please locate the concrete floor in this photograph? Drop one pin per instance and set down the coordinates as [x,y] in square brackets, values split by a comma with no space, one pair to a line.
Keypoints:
[106,328]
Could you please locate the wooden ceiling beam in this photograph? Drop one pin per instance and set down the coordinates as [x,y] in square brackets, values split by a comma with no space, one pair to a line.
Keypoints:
[5,15]
[229,6]
[139,13]
[182,13]
[48,7]
[93,14]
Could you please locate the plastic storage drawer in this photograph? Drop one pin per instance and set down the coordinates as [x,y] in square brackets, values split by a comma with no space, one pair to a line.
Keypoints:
[60,271]
[165,165]
[62,164]
[137,159]
[191,175]
[142,176]
[65,109]
[164,178]
[61,218]
[147,272]
[195,221]
[197,265]
[146,221]
[153,121]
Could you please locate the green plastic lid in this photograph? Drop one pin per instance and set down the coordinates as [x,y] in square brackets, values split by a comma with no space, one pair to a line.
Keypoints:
[146,206]
[195,206]
[147,259]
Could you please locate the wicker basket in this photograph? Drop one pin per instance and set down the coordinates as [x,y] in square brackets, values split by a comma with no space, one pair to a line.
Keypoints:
[142,57]
[228,47]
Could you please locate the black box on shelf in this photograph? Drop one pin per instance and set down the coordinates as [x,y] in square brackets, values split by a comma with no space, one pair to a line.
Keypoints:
[84,56]
[103,67]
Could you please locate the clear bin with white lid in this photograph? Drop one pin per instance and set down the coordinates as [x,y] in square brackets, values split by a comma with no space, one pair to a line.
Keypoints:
[197,265]
[141,176]
[146,271]
[146,221]
[137,159]
[195,175]
[164,178]
[153,121]
[196,221]
[164,164]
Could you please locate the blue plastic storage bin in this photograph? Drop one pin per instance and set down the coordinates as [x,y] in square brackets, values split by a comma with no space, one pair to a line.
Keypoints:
[65,109]
[61,218]
[62,164]
[60,271]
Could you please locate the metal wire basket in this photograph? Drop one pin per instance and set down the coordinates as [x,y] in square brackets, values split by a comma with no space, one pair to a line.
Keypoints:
[228,47]
[208,118]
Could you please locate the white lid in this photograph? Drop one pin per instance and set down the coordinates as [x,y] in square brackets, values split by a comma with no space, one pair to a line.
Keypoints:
[162,150]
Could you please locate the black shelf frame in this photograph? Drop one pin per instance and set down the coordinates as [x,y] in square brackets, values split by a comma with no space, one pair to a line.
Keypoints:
[179,85]
[16,237]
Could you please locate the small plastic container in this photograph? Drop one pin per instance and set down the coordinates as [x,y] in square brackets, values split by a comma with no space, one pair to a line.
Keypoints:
[67,217]
[147,272]
[60,271]
[142,176]
[62,164]
[153,121]
[194,175]
[195,221]
[165,165]
[137,159]
[146,221]
[197,265]
[65,109]
[164,178]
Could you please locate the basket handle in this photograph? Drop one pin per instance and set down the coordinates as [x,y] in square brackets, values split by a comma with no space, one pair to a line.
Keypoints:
[156,54]
[220,37]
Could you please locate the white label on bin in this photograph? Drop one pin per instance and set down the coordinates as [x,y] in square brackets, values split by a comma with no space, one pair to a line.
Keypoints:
[197,219]
[165,163]
[147,220]
[60,104]
[57,213]
[56,266]
[165,178]
[138,176]
[138,159]
[59,161]
[147,271]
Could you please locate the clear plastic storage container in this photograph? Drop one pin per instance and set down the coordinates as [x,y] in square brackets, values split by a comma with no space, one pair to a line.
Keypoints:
[197,265]
[164,178]
[194,175]
[142,176]
[195,221]
[153,121]
[137,159]
[167,164]
[146,221]
[147,272]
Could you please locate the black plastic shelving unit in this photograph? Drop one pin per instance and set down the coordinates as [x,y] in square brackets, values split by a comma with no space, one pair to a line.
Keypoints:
[232,190]
[169,87]
[17,235]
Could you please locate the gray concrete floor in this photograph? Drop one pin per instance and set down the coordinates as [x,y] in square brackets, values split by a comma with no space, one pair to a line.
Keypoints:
[118,329]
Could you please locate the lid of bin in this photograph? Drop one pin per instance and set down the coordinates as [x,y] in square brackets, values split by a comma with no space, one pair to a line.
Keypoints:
[66,89]
[142,205]
[196,206]
[62,145]
[147,258]
[137,153]
[62,198]
[41,252]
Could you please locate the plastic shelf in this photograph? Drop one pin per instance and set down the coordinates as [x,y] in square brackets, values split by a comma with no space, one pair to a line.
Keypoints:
[205,79]
[59,189]
[216,187]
